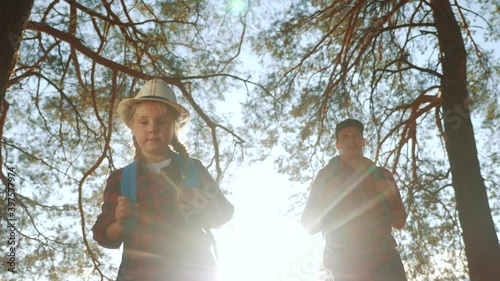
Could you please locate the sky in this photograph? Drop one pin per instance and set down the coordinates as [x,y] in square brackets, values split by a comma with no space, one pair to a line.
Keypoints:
[262,241]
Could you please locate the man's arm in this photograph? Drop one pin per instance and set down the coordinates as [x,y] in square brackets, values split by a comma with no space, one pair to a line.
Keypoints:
[314,210]
[392,195]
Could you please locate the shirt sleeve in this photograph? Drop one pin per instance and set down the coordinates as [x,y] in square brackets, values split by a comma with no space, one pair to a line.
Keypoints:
[396,206]
[107,215]
[218,210]
[314,211]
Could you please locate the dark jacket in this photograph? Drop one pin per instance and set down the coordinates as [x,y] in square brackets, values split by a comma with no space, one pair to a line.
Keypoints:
[355,219]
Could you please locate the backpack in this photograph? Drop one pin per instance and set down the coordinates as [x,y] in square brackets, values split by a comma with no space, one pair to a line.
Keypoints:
[128,188]
[128,185]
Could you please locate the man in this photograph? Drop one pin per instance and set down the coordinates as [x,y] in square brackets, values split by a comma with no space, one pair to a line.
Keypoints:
[355,204]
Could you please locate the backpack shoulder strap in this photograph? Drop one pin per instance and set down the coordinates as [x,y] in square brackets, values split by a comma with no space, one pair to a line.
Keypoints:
[192,179]
[128,188]
[128,184]
[331,169]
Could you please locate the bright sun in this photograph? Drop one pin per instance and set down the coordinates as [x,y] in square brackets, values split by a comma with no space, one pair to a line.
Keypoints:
[237,6]
[261,243]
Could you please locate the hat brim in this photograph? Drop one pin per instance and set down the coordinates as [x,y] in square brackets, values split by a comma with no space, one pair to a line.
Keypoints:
[125,105]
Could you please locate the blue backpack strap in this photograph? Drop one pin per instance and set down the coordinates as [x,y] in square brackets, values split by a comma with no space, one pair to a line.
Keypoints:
[128,188]
[192,179]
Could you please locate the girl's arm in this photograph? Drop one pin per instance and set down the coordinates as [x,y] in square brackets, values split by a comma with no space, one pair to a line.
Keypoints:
[208,203]
[107,230]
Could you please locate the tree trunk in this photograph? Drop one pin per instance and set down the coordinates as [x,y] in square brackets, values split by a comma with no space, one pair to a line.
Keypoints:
[480,239]
[14,15]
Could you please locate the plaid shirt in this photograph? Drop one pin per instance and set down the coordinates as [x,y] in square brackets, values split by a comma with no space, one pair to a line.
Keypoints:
[355,219]
[163,244]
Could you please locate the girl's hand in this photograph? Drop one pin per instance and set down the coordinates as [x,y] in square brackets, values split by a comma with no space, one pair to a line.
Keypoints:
[123,210]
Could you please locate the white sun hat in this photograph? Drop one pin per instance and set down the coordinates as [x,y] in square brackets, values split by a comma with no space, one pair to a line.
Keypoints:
[154,90]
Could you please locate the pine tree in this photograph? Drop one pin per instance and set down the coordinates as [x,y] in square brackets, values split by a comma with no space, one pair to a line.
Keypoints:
[416,73]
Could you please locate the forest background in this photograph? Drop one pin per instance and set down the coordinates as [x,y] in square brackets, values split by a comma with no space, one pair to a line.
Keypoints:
[264,81]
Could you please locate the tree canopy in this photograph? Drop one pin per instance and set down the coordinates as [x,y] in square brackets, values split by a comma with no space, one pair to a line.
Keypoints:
[60,133]
[383,62]
[417,78]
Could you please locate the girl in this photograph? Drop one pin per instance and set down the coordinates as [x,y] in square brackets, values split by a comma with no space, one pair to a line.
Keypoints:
[164,233]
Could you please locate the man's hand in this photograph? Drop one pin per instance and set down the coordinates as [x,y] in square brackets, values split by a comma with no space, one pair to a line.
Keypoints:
[391,194]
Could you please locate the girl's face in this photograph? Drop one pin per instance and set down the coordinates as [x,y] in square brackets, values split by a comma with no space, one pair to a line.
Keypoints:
[153,126]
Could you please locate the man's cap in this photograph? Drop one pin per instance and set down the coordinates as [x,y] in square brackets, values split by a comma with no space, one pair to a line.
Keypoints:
[349,123]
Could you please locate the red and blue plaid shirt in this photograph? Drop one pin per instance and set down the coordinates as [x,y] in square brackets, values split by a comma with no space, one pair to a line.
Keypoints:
[162,245]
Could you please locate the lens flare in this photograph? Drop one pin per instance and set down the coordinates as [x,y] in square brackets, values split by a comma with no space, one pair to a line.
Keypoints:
[237,6]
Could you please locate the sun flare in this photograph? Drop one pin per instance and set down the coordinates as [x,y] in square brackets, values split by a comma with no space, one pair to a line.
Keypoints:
[237,6]
[262,242]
